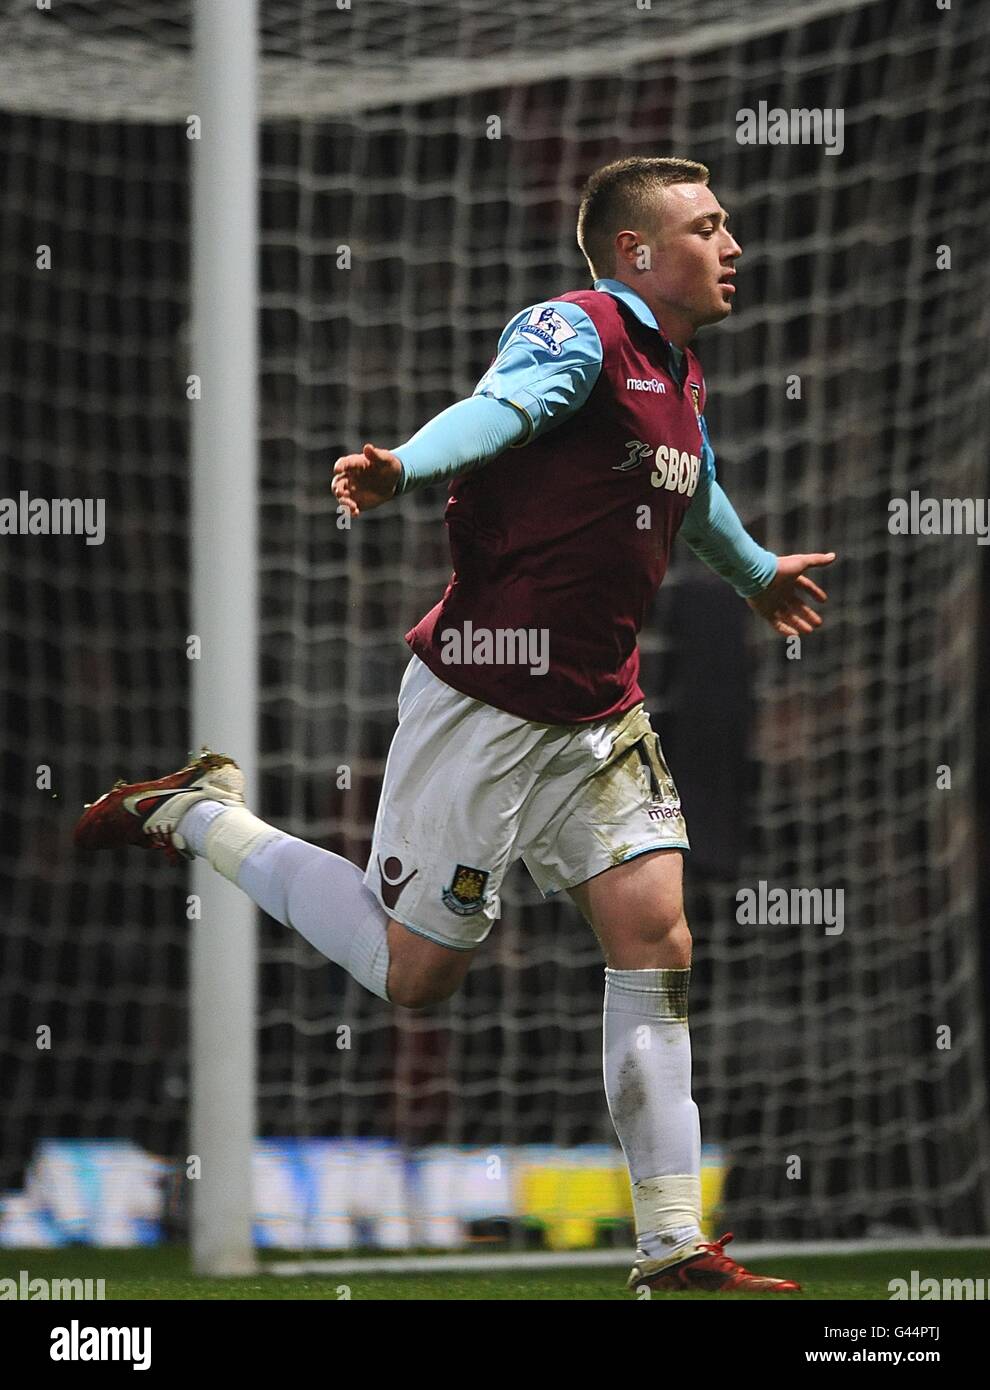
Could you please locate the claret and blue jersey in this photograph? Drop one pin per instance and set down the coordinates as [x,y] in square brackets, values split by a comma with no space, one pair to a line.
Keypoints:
[564,520]
[550,358]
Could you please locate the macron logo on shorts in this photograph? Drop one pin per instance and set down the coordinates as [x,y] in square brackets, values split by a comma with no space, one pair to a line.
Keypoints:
[392,885]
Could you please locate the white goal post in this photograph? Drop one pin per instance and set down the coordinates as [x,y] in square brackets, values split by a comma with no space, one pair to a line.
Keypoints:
[225,556]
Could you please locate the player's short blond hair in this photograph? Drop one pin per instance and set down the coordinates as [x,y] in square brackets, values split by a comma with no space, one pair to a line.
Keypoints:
[623,194]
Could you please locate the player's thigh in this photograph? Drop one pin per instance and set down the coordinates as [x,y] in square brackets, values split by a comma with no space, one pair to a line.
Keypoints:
[615,844]
[422,972]
[637,911]
[456,774]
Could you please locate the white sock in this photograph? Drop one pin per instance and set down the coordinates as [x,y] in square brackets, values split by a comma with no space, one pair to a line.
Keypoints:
[647,1057]
[319,894]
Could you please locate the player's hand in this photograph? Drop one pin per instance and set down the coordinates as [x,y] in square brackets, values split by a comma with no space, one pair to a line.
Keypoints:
[783,603]
[365,480]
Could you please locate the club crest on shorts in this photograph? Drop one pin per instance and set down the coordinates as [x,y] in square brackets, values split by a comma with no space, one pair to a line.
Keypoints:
[466,893]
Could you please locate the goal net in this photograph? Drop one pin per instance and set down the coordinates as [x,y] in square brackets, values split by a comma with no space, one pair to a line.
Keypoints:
[420,165]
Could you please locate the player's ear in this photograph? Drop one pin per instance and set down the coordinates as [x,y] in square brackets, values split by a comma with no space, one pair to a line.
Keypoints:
[625,247]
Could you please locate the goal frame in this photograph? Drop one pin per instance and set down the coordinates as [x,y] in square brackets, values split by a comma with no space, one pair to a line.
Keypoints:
[224,605]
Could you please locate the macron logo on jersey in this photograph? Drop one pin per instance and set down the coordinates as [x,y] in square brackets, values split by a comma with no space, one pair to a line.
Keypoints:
[634,383]
[548,328]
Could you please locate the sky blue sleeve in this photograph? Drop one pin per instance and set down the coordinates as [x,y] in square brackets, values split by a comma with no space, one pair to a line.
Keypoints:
[717,536]
[549,358]
[458,440]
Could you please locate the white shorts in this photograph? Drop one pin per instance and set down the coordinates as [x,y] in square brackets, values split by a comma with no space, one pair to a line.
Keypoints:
[469,789]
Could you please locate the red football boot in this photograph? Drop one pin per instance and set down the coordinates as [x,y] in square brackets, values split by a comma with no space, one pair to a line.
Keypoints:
[146,813]
[711,1270]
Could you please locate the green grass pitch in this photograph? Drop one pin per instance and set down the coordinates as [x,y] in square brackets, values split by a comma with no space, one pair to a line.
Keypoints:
[163,1273]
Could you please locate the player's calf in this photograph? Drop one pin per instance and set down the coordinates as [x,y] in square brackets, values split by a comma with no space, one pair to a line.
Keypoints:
[200,811]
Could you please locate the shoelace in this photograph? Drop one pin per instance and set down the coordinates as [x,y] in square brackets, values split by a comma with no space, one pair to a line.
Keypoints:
[723,1262]
[161,838]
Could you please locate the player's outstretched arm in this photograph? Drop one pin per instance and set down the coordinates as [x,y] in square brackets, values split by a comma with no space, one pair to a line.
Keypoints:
[548,360]
[776,587]
[784,602]
[366,480]
[463,437]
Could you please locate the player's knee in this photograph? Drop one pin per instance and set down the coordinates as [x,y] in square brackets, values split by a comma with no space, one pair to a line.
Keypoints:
[422,973]
[677,941]
[419,992]
[660,940]
[663,923]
